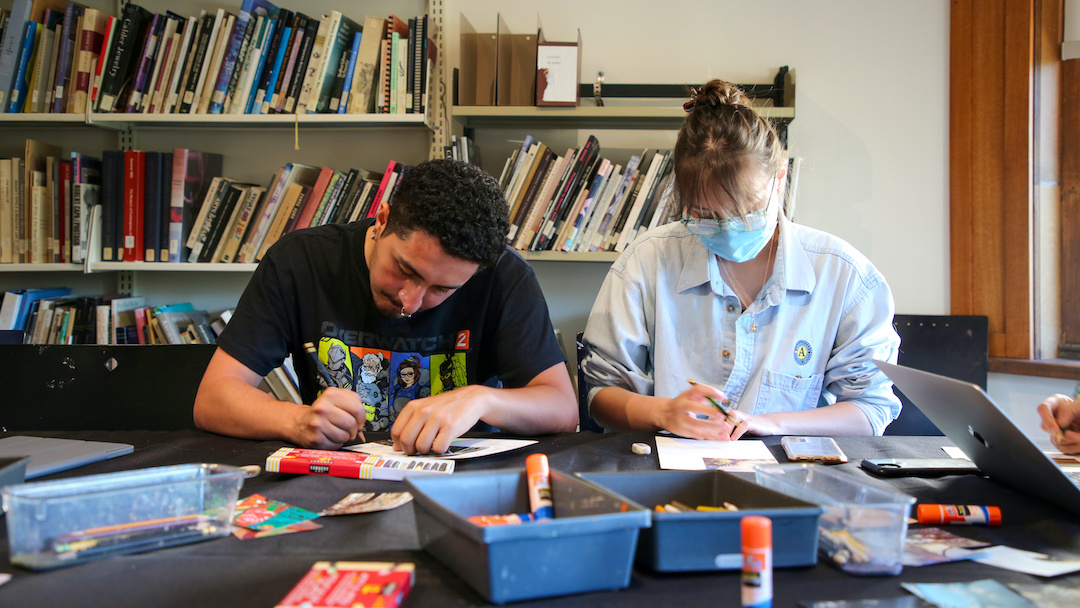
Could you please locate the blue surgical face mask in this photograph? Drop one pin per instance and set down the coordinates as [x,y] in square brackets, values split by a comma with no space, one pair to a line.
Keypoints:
[739,244]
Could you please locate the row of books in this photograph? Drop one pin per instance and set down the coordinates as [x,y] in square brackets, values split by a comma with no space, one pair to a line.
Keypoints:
[169,206]
[62,57]
[52,315]
[580,201]
[45,198]
[238,223]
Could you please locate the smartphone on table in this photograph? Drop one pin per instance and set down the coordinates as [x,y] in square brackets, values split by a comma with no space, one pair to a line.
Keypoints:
[919,467]
[822,450]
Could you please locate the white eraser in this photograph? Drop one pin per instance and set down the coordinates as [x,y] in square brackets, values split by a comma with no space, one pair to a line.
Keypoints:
[641,448]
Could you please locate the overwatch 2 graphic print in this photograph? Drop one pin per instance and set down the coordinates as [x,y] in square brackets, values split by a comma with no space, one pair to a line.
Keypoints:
[387,379]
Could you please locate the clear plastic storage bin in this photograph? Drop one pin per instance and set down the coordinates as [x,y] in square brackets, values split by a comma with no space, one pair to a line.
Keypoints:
[69,521]
[863,527]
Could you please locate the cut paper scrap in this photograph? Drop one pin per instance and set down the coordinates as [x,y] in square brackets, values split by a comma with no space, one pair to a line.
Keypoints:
[927,546]
[367,502]
[258,513]
[1027,562]
[986,592]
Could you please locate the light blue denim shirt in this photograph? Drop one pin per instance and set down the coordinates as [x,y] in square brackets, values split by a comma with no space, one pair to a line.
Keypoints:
[665,314]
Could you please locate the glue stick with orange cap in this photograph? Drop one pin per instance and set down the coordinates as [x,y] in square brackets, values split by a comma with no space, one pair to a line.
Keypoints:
[538,478]
[757,562]
[959,514]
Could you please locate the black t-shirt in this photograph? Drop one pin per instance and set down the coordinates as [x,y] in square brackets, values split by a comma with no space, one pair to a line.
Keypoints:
[313,286]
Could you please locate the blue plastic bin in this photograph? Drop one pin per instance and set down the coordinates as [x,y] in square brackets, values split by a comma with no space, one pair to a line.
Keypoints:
[710,540]
[588,546]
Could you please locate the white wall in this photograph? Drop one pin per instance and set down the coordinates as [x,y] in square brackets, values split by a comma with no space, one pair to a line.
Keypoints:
[871,120]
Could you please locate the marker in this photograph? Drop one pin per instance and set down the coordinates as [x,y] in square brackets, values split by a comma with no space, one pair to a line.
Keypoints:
[959,514]
[538,477]
[757,561]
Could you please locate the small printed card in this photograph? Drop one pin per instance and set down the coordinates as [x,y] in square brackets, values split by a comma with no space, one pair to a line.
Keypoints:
[352,585]
[258,516]
[927,546]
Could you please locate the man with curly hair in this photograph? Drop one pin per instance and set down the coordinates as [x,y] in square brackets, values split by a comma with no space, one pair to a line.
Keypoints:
[430,274]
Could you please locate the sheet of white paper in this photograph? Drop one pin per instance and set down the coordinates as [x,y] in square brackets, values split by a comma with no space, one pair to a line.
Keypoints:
[4,578]
[1027,562]
[560,61]
[460,448]
[695,455]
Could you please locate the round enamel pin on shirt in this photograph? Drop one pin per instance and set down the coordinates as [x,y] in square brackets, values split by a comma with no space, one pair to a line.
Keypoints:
[803,352]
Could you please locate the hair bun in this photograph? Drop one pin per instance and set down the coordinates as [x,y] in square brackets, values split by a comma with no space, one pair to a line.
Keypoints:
[716,93]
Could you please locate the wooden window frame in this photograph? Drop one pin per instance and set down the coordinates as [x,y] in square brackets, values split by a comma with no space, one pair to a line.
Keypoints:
[1005,63]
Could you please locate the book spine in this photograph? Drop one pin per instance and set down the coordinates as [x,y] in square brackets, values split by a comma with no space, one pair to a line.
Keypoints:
[342,100]
[200,44]
[152,206]
[89,50]
[228,62]
[134,188]
[271,59]
[303,57]
[10,45]
[67,50]
[21,84]
[277,101]
[124,48]
[183,66]
[112,196]
[146,60]
[275,64]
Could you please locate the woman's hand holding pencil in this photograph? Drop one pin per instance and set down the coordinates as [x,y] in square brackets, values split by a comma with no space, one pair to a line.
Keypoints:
[696,414]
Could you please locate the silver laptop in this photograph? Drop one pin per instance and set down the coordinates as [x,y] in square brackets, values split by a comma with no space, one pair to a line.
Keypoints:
[987,436]
[48,455]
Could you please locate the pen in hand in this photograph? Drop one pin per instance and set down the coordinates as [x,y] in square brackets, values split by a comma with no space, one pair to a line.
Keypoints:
[325,374]
[726,411]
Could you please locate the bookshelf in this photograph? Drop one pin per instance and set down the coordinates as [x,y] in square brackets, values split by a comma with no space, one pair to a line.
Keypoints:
[620,113]
[586,116]
[253,148]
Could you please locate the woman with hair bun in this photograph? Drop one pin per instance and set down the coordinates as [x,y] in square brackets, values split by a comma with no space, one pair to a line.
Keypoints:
[776,322]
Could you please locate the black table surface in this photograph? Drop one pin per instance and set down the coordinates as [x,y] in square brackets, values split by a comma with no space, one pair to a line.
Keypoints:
[260,572]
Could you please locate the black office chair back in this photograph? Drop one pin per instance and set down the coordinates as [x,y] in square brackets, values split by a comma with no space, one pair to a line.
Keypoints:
[585,421]
[956,346]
